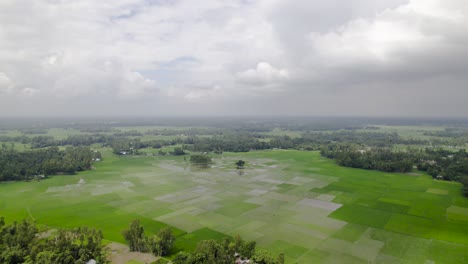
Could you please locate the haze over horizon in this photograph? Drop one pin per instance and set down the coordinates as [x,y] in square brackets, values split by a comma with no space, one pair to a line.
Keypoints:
[234,57]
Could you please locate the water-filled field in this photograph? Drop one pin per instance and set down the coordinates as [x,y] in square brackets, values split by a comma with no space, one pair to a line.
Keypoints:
[288,201]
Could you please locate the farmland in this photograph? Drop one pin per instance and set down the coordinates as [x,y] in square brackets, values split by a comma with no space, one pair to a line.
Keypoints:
[288,201]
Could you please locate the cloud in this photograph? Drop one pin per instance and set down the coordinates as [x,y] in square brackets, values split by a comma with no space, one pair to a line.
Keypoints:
[415,40]
[198,94]
[226,53]
[263,74]
[5,83]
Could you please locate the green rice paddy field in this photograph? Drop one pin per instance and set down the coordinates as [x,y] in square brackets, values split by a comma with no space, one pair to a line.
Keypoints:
[288,201]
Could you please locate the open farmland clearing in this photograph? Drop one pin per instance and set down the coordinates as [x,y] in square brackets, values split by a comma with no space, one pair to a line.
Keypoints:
[288,201]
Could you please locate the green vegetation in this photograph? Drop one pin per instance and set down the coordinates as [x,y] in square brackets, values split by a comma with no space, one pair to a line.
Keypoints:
[218,204]
[227,251]
[37,164]
[22,243]
[294,202]
[159,244]
[440,164]
[373,159]
[240,164]
[200,160]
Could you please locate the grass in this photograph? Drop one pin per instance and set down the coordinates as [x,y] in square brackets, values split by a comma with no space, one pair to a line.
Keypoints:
[384,217]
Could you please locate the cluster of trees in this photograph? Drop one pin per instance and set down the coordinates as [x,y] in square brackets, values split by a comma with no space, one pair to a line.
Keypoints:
[224,252]
[452,166]
[243,142]
[439,163]
[372,158]
[22,243]
[231,143]
[31,131]
[178,152]
[126,146]
[185,131]
[159,244]
[75,140]
[115,141]
[122,143]
[18,139]
[200,159]
[27,165]
[448,132]
[94,129]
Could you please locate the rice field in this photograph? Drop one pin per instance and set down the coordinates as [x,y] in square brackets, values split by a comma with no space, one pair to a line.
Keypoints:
[288,201]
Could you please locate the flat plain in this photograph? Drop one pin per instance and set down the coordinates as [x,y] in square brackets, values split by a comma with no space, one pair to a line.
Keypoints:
[294,202]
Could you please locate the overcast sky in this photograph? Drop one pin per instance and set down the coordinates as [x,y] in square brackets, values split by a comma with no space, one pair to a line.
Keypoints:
[234,57]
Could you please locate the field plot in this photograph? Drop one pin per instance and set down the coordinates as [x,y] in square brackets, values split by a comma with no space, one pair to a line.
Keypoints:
[288,201]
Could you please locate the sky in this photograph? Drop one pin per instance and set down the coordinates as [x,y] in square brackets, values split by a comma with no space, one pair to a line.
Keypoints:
[405,58]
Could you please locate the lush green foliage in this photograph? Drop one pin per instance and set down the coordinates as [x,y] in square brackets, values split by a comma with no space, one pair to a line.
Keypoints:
[30,164]
[226,252]
[451,166]
[21,243]
[240,164]
[159,244]
[372,159]
[428,215]
[199,159]
[384,217]
[178,152]
[439,163]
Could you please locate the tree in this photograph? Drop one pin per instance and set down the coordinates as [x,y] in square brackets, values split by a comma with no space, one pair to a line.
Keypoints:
[19,243]
[153,244]
[200,160]
[167,240]
[263,257]
[135,236]
[160,244]
[240,164]
[211,252]
[78,245]
[178,152]
[280,259]
[181,258]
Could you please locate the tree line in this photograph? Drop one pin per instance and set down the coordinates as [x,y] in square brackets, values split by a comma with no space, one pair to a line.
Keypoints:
[381,159]
[451,166]
[439,163]
[227,251]
[28,165]
[226,141]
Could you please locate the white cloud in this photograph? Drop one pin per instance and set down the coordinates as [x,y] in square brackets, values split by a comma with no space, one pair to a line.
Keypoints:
[135,85]
[263,74]
[220,51]
[6,84]
[412,37]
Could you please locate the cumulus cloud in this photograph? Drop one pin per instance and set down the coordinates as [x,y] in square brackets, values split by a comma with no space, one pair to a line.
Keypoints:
[418,39]
[227,53]
[263,74]
[5,83]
